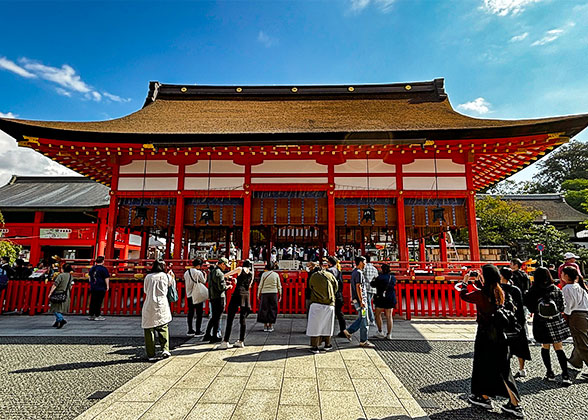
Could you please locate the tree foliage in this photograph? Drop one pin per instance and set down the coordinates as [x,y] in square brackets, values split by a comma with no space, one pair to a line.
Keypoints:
[7,247]
[503,222]
[556,242]
[576,193]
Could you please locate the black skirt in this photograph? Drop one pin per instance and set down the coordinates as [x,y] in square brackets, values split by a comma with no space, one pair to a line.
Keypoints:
[268,308]
[492,365]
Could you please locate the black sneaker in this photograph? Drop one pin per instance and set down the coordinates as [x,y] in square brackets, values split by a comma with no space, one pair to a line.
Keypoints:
[566,380]
[190,334]
[328,348]
[315,350]
[198,333]
[485,403]
[514,410]
[55,325]
[549,377]
[206,337]
[215,340]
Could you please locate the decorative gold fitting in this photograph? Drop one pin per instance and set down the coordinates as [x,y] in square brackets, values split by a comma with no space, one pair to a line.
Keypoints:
[148,146]
[184,89]
[32,140]
[408,87]
[239,90]
[294,89]
[350,88]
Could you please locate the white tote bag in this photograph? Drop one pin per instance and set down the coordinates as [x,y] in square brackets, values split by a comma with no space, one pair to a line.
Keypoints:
[200,292]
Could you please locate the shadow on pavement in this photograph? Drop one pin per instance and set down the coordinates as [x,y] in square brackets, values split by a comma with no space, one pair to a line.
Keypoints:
[80,365]
[467,355]
[468,413]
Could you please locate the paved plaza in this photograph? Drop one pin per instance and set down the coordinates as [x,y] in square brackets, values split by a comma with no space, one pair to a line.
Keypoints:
[425,370]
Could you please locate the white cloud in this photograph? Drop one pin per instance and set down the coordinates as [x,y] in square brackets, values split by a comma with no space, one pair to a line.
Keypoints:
[7,115]
[552,35]
[24,161]
[66,78]
[479,106]
[266,40]
[506,7]
[63,92]
[383,5]
[520,37]
[115,98]
[6,64]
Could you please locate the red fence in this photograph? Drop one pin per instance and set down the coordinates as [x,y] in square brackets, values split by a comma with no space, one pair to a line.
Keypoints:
[416,297]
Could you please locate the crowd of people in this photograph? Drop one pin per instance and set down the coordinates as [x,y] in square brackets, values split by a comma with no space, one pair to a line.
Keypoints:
[504,297]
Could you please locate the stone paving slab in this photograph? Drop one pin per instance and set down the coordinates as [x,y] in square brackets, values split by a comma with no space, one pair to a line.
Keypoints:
[274,379]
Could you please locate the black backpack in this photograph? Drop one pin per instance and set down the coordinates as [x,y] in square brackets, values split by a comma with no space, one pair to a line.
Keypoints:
[506,320]
[546,308]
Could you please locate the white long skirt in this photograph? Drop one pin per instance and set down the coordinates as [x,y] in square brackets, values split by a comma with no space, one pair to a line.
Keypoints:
[321,319]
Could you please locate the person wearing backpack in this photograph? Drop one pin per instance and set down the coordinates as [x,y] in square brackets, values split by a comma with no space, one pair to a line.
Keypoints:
[546,303]
[385,300]
[491,375]
[99,284]
[519,345]
[196,295]
[59,295]
[576,313]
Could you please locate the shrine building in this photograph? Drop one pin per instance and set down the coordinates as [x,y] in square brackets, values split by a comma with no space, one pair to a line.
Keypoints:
[241,168]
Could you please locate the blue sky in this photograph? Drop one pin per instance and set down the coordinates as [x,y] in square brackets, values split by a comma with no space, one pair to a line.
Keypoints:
[86,60]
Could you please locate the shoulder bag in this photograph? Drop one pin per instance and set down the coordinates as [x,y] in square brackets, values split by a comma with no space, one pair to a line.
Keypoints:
[172,293]
[199,292]
[60,297]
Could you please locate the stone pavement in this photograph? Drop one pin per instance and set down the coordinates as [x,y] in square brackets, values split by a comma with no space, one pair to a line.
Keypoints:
[273,377]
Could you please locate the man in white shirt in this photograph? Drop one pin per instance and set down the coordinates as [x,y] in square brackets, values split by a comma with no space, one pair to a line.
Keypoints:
[192,278]
[370,272]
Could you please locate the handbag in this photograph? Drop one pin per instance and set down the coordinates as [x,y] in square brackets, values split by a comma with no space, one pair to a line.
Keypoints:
[199,292]
[60,297]
[172,293]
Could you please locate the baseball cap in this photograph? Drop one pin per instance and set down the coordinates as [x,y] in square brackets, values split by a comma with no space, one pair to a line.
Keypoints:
[569,255]
[223,260]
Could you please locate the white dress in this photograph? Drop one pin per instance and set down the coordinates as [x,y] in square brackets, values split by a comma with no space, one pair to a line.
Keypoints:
[156,311]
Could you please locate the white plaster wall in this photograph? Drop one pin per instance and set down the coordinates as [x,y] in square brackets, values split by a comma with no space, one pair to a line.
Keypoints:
[428,183]
[359,165]
[153,167]
[289,180]
[428,165]
[216,166]
[376,183]
[289,166]
[215,183]
[151,184]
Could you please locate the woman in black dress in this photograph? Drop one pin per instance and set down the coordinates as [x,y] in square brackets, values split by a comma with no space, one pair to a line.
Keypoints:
[239,302]
[385,300]
[548,330]
[491,375]
[519,347]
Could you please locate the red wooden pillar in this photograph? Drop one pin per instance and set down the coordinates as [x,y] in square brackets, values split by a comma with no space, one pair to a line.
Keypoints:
[167,244]
[331,244]
[423,250]
[111,228]
[179,227]
[144,244]
[102,227]
[472,227]
[443,246]
[402,244]
[35,253]
[246,223]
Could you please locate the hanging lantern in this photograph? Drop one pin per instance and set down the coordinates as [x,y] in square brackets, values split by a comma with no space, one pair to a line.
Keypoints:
[207,215]
[141,212]
[438,214]
[369,214]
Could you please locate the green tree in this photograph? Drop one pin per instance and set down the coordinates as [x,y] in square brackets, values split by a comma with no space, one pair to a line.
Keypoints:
[503,222]
[556,243]
[568,162]
[7,247]
[576,193]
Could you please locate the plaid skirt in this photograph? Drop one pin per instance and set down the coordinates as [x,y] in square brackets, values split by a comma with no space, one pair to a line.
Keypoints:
[549,331]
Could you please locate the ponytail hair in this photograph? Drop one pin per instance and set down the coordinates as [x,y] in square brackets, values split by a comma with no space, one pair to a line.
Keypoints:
[573,274]
[491,286]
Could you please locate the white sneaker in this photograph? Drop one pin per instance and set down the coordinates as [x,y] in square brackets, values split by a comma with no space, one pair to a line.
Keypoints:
[521,374]
[165,354]
[366,344]
[270,329]
[99,318]
[224,345]
[264,329]
[389,337]
[380,334]
[239,344]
